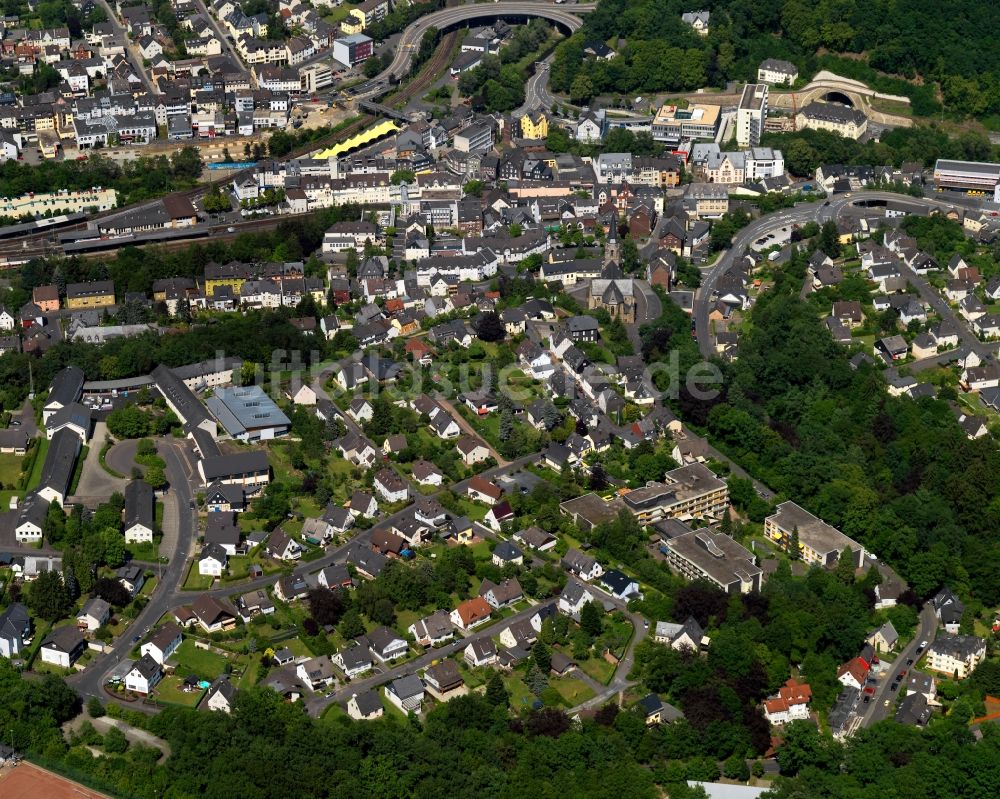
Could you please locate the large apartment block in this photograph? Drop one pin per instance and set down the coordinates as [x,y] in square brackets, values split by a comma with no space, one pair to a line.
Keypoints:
[707,554]
[819,543]
[690,492]
[751,114]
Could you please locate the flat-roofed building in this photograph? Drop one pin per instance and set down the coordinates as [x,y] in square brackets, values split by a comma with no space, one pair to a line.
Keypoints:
[751,114]
[690,492]
[819,543]
[697,121]
[975,176]
[590,510]
[707,554]
[248,414]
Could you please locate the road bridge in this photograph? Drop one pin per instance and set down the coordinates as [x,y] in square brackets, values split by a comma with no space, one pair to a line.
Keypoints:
[566,17]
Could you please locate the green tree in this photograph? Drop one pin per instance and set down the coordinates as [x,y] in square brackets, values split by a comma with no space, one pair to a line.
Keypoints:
[351,625]
[48,597]
[496,692]
[590,619]
[128,422]
[156,477]
[582,89]
[115,742]
[793,543]
[542,656]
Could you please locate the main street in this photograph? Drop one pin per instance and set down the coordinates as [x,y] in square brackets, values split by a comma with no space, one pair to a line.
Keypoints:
[221,34]
[131,51]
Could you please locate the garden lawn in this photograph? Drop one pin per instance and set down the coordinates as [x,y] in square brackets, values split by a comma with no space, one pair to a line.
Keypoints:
[10,469]
[520,696]
[195,581]
[204,664]
[168,690]
[599,669]
[572,690]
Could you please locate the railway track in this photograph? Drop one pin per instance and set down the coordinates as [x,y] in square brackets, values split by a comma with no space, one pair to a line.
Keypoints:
[429,73]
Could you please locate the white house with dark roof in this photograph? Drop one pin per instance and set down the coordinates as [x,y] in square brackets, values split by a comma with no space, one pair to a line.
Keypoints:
[139,512]
[143,676]
[163,643]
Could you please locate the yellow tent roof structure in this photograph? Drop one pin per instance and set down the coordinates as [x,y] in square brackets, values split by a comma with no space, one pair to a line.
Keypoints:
[383,128]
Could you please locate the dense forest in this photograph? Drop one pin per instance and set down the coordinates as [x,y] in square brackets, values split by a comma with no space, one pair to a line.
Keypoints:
[918,42]
[899,476]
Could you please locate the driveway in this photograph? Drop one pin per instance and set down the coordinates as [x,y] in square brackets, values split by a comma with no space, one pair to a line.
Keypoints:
[121,456]
[95,483]
[26,416]
[470,430]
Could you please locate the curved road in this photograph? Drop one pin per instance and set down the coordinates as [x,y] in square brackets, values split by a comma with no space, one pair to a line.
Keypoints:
[90,681]
[811,212]
[409,42]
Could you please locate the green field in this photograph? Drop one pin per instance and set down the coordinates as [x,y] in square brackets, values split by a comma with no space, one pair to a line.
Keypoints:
[520,696]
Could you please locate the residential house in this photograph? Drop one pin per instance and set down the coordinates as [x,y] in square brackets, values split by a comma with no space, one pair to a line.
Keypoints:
[433,630]
[212,561]
[688,635]
[480,652]
[95,613]
[385,644]
[582,566]
[883,639]
[221,695]
[143,676]
[620,585]
[63,647]
[365,706]
[791,703]
[956,655]
[500,596]
[573,597]
[406,693]
[507,553]
[391,486]
[316,672]
[282,546]
[163,643]
[471,613]
[355,660]
[482,490]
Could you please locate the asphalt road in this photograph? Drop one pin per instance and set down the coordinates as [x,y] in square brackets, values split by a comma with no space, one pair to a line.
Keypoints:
[90,681]
[536,91]
[221,33]
[876,710]
[131,51]
[409,41]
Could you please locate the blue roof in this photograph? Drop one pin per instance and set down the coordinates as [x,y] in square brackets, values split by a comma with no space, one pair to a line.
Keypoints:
[245,408]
